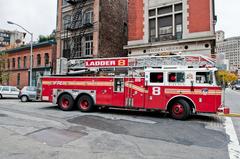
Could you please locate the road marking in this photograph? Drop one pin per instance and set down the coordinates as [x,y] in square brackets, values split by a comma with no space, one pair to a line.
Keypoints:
[233,146]
[230,115]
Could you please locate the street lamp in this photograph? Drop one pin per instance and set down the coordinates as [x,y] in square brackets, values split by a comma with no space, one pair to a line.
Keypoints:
[31,50]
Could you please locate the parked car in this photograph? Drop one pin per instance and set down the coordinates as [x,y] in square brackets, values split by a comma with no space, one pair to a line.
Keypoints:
[28,94]
[236,86]
[9,92]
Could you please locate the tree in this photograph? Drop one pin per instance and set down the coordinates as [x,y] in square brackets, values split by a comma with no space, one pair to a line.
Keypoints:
[42,38]
[4,74]
[226,77]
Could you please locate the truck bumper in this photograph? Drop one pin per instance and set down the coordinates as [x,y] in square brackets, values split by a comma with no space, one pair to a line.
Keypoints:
[224,110]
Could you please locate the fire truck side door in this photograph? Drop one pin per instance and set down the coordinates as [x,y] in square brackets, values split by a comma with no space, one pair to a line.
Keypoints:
[118,97]
[134,92]
[155,96]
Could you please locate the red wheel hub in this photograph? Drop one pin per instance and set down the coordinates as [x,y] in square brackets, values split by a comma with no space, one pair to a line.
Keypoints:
[84,104]
[65,103]
[178,109]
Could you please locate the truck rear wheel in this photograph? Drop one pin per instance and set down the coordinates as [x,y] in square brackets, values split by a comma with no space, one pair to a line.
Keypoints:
[85,104]
[180,110]
[65,102]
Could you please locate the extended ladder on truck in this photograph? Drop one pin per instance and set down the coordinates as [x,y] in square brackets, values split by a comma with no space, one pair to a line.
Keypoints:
[141,61]
[134,63]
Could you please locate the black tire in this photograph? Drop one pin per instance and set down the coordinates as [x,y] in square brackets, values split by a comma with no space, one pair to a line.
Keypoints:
[180,110]
[24,98]
[65,102]
[1,96]
[85,104]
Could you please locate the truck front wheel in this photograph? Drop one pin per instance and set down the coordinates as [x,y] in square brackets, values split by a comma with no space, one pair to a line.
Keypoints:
[85,104]
[66,102]
[180,109]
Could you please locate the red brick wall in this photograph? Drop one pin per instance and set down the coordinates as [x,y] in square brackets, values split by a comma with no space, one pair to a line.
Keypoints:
[112,28]
[199,15]
[24,71]
[135,19]
[23,78]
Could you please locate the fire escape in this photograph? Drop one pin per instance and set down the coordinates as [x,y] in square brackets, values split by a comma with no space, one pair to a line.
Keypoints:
[75,30]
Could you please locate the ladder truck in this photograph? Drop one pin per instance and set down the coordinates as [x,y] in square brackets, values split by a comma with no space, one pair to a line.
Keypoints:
[180,84]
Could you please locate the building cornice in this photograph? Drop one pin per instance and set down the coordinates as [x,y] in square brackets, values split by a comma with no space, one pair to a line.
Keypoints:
[170,42]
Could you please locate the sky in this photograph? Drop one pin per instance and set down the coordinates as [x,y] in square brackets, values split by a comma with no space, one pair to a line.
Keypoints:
[39,16]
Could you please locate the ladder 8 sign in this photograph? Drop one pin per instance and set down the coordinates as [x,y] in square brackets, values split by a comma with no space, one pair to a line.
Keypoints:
[156,91]
[121,63]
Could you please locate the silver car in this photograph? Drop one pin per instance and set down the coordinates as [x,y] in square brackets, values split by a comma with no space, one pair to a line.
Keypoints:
[9,92]
[28,94]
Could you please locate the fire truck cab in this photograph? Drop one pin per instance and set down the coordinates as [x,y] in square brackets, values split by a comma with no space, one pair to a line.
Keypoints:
[181,90]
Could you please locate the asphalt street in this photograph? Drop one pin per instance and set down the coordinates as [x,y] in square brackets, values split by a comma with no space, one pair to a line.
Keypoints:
[233,101]
[40,131]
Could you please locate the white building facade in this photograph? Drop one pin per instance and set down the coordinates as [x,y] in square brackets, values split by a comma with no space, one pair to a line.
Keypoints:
[11,39]
[230,49]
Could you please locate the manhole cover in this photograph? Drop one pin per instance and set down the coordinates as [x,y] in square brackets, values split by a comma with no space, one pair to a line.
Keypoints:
[56,137]
[3,115]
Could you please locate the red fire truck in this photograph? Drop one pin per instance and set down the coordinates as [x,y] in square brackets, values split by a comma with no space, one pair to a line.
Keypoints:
[180,85]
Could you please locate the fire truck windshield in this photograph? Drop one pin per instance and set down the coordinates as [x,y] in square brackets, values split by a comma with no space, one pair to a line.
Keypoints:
[204,77]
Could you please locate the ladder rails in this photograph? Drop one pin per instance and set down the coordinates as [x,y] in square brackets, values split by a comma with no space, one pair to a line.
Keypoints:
[149,61]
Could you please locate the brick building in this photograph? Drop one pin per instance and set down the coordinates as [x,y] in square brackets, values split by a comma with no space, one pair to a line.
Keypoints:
[172,26]
[91,28]
[18,63]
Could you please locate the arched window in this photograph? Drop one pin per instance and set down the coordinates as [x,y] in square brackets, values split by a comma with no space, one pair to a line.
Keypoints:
[88,17]
[66,21]
[46,58]
[13,63]
[38,59]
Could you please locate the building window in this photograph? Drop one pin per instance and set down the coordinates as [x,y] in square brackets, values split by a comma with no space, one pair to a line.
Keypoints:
[88,17]
[165,28]
[164,10]
[32,60]
[18,79]
[89,44]
[77,49]
[46,58]
[66,21]
[178,26]
[178,7]
[8,63]
[152,29]
[19,62]
[25,61]
[152,12]
[38,59]
[64,2]
[13,63]
[168,22]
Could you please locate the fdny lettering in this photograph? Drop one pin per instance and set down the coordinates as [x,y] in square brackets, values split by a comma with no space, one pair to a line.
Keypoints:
[106,63]
[58,83]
